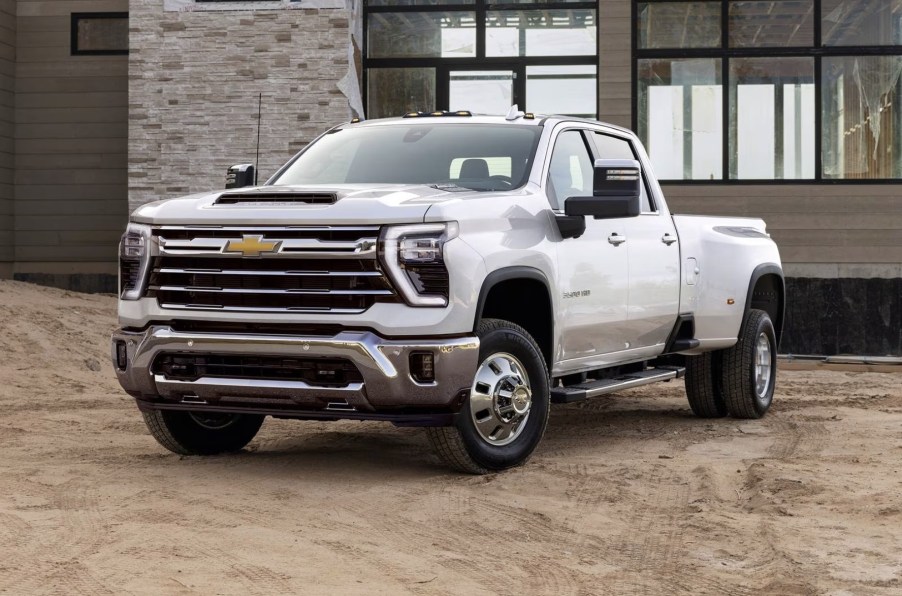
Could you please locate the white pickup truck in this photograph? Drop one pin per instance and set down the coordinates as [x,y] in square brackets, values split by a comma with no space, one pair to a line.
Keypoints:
[456,272]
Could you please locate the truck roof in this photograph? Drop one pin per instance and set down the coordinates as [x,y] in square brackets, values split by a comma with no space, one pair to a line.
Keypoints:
[465,117]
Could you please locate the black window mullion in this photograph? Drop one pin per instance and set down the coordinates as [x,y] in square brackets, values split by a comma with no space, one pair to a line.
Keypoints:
[728,132]
[818,120]
[480,28]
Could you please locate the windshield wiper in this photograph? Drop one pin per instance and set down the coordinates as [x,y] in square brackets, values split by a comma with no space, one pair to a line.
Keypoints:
[451,187]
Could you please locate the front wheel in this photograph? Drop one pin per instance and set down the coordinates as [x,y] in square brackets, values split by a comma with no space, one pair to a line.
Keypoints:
[200,433]
[750,368]
[504,418]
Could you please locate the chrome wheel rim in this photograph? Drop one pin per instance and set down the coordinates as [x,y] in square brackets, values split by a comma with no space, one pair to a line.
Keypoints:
[212,420]
[500,399]
[763,365]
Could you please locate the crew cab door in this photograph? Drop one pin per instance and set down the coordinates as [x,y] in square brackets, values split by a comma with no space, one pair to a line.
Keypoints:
[654,258]
[592,272]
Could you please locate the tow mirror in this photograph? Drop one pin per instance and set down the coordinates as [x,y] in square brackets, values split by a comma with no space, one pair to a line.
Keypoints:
[240,176]
[616,191]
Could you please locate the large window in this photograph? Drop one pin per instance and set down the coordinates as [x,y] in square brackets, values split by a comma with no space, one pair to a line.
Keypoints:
[770,89]
[480,55]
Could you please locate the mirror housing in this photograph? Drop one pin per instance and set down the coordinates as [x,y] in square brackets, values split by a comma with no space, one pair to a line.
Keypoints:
[616,191]
[240,176]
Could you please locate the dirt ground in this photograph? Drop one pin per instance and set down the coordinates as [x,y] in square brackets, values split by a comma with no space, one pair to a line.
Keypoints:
[626,495]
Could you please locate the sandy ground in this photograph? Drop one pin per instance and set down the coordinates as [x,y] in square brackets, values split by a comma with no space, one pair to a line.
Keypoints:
[626,495]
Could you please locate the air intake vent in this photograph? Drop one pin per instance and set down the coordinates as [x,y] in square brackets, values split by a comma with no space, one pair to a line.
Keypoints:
[275,198]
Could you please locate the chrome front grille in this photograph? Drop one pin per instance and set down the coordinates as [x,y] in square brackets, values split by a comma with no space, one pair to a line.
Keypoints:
[260,269]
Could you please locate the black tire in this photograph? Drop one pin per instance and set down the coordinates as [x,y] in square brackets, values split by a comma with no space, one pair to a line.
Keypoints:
[195,433]
[463,446]
[703,385]
[748,389]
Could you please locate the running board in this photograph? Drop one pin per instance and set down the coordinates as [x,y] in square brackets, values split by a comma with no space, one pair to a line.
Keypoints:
[583,391]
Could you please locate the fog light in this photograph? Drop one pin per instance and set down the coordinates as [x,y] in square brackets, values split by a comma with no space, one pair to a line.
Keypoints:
[121,355]
[422,367]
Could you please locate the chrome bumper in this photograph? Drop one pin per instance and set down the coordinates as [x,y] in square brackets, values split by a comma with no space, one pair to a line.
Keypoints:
[383,364]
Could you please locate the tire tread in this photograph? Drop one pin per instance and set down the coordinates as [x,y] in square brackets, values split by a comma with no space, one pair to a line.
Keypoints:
[703,385]
[739,397]
[448,441]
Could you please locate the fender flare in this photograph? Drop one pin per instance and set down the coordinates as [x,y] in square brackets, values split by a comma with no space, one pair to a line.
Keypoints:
[506,274]
[759,272]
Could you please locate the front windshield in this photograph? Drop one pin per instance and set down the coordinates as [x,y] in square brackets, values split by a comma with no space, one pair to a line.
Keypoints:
[447,156]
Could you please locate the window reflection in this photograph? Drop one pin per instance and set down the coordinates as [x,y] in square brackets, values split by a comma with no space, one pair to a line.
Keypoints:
[771,24]
[861,22]
[421,34]
[861,114]
[771,118]
[680,117]
[540,33]
[679,25]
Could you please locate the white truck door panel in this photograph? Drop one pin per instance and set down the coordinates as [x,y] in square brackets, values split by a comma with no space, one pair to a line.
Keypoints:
[654,294]
[654,259]
[593,269]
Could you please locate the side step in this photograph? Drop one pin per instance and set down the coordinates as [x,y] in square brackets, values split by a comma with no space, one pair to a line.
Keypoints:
[583,391]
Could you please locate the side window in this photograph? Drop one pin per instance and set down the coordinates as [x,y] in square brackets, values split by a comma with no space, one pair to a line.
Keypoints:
[570,173]
[609,147]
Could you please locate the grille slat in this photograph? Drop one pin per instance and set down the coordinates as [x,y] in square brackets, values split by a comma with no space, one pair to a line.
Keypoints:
[343,282]
[323,372]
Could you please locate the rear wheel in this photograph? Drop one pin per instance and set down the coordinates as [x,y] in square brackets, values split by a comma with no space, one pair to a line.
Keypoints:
[201,433]
[750,368]
[504,418]
[703,385]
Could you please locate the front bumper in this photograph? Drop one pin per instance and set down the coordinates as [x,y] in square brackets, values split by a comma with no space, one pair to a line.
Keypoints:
[388,391]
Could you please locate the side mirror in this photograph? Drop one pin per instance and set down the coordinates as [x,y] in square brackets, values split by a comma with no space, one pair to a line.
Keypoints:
[616,191]
[240,176]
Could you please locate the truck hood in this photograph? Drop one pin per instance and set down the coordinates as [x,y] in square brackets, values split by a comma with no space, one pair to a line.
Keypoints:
[294,205]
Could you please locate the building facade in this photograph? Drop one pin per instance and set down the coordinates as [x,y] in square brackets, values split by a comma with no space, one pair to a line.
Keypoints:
[788,110]
[63,140]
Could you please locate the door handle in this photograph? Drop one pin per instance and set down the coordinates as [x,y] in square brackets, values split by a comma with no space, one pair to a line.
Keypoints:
[616,239]
[668,239]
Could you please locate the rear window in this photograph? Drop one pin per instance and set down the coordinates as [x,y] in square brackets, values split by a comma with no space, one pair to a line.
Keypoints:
[474,156]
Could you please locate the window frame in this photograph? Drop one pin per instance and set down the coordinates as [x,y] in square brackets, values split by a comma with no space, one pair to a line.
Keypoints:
[74,19]
[817,51]
[443,66]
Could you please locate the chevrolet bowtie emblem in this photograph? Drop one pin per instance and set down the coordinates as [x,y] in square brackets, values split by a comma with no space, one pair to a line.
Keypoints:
[252,246]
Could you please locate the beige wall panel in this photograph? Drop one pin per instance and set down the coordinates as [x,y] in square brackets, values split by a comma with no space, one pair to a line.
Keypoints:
[58,223]
[81,99]
[72,85]
[71,128]
[70,146]
[70,206]
[837,223]
[71,131]
[76,195]
[7,131]
[614,60]
[26,114]
[76,254]
[62,8]
[76,66]
[67,178]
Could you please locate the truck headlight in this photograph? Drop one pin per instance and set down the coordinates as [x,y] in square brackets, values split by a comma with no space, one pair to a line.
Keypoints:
[413,255]
[134,260]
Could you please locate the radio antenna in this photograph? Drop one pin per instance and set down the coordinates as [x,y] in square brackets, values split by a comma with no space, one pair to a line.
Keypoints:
[259,117]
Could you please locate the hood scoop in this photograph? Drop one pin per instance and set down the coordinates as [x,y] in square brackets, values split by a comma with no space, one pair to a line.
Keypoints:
[276,198]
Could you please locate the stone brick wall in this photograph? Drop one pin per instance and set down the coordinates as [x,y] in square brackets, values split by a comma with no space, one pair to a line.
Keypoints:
[194,82]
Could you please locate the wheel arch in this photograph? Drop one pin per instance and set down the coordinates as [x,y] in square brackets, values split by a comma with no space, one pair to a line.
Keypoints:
[767,292]
[521,295]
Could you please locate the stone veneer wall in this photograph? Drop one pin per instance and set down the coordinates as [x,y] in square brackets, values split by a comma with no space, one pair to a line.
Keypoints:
[7,131]
[195,75]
